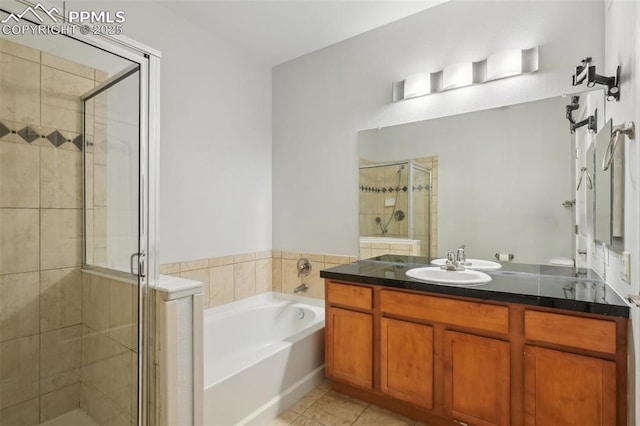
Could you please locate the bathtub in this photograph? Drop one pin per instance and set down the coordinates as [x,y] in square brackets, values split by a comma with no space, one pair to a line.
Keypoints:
[261,355]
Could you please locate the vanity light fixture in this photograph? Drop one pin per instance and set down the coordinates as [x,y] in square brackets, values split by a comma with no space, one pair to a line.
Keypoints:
[417,85]
[457,75]
[506,63]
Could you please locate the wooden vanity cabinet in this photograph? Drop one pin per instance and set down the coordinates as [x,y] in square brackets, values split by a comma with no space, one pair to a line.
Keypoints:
[350,347]
[575,383]
[443,359]
[406,361]
[563,388]
[349,335]
[473,369]
[476,379]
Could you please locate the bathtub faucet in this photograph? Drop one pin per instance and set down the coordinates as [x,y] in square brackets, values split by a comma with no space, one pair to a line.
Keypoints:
[301,288]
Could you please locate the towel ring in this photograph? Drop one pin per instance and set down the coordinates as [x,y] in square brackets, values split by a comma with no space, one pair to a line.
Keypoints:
[629,130]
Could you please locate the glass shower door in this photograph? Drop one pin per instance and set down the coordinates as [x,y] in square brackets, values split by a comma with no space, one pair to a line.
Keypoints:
[420,207]
[112,172]
[113,247]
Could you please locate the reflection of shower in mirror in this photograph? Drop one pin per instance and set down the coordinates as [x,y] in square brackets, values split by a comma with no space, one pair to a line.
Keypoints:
[385,227]
[395,201]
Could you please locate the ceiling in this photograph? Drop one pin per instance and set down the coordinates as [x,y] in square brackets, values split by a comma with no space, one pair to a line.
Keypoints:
[278,31]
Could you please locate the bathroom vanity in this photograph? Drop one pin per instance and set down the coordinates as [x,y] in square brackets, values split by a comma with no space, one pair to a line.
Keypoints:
[532,347]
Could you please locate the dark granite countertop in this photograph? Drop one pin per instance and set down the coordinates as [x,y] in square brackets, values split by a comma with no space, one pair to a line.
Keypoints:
[537,285]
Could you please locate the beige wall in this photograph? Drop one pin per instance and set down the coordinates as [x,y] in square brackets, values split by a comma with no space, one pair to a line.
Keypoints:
[229,278]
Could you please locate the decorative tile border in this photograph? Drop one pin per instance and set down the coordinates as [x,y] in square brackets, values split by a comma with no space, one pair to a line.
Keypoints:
[391,189]
[29,135]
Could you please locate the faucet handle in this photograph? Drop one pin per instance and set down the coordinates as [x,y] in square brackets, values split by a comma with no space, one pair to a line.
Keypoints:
[451,257]
[450,264]
[303,266]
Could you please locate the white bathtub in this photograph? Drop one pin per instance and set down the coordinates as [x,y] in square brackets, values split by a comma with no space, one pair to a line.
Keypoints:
[260,357]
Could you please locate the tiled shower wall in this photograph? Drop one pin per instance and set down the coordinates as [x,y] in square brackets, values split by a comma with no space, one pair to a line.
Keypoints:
[229,278]
[45,363]
[378,184]
[109,350]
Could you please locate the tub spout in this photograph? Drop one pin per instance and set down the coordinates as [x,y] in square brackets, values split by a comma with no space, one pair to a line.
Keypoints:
[301,288]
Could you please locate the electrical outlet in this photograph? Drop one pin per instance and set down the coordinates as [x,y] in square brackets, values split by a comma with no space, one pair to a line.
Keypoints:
[625,267]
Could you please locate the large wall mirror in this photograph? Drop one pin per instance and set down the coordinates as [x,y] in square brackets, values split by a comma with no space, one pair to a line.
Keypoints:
[609,181]
[500,181]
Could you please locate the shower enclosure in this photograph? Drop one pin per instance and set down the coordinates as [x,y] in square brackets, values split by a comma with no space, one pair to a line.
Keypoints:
[78,153]
[395,203]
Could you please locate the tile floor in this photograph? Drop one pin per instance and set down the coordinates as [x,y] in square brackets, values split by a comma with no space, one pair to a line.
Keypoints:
[319,407]
[324,407]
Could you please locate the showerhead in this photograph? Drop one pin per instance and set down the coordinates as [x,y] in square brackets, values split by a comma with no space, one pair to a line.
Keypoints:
[378,219]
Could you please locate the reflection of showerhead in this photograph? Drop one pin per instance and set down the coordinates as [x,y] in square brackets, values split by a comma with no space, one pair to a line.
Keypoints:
[383,228]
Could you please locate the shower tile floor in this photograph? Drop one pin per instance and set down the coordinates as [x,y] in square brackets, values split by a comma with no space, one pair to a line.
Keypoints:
[324,407]
[76,417]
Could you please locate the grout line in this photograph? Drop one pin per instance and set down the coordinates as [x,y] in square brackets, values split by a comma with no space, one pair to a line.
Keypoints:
[40,90]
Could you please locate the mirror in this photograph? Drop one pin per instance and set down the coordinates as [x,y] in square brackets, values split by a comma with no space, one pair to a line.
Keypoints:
[609,215]
[603,187]
[395,204]
[502,182]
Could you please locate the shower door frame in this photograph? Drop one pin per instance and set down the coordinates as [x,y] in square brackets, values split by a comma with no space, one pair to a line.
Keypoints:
[149,61]
[412,165]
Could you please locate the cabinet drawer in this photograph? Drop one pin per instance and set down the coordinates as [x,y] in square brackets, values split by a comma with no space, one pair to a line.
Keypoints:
[480,316]
[349,295]
[584,333]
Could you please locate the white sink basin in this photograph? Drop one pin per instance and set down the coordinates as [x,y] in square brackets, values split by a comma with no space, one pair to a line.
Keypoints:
[433,274]
[477,264]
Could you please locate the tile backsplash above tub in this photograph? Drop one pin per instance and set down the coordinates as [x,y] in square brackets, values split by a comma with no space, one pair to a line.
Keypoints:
[229,278]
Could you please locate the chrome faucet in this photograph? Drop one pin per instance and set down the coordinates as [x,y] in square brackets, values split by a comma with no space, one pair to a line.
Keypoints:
[461,257]
[455,261]
[301,288]
[451,264]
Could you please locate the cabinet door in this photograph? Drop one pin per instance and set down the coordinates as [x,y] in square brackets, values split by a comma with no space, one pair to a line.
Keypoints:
[349,346]
[476,379]
[406,359]
[568,389]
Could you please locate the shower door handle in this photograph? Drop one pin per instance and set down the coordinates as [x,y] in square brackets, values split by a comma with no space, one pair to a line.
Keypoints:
[141,264]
